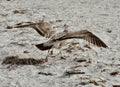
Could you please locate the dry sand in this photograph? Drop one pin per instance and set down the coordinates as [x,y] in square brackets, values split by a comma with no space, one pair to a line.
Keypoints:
[102,17]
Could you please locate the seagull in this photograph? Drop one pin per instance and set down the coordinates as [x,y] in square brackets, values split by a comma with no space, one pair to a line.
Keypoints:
[81,34]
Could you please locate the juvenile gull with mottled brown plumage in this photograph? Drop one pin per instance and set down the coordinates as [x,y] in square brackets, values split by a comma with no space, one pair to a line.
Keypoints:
[82,34]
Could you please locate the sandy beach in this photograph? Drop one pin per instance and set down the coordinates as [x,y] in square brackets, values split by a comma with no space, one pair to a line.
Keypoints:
[72,64]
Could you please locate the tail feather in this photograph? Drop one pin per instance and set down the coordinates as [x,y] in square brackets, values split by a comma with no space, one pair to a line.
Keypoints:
[42,47]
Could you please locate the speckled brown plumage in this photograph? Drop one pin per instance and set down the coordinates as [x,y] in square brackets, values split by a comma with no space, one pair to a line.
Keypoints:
[43,28]
[82,34]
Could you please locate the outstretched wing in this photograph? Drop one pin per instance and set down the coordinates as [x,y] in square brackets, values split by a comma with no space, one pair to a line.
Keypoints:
[90,37]
[86,35]
[83,34]
[41,27]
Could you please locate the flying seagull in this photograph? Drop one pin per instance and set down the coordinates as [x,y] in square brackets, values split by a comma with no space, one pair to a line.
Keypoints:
[82,34]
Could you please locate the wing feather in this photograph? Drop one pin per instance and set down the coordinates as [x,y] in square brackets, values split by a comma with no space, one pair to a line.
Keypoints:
[95,40]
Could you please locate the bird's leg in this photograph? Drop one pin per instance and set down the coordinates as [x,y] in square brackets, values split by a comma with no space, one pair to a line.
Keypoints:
[46,59]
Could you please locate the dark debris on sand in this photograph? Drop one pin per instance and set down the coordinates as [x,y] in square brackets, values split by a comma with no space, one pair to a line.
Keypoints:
[15,60]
